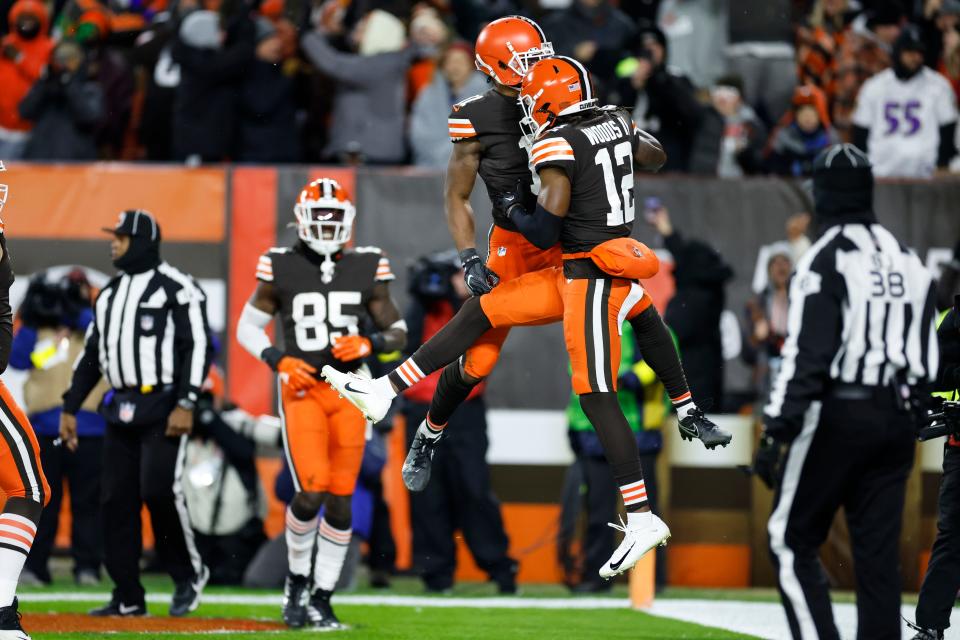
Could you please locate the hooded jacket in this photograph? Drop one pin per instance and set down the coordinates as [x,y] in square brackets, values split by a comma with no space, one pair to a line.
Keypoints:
[17,76]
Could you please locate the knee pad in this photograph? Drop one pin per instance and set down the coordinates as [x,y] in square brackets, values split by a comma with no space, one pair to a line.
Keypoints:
[306,504]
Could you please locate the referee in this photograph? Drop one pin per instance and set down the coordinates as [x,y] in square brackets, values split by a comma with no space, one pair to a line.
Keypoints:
[860,330]
[149,338]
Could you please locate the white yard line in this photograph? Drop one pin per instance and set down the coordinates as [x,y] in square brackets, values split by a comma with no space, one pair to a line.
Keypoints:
[762,619]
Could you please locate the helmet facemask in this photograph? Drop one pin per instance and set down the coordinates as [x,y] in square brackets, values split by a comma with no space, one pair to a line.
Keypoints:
[521,61]
[529,124]
[324,225]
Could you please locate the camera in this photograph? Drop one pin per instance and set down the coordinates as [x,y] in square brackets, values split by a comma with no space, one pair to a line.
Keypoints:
[940,418]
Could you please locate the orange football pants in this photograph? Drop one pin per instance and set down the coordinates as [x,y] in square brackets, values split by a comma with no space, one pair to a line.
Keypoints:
[21,475]
[323,439]
[510,256]
[592,309]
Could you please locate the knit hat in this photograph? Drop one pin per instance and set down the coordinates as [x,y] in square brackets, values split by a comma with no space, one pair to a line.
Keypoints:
[264,29]
[383,33]
[201,30]
[842,181]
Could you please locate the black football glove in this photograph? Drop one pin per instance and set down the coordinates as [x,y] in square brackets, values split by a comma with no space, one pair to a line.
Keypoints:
[768,460]
[511,202]
[479,278]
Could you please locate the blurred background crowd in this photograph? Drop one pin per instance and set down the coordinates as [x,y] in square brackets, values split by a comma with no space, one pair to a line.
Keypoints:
[732,88]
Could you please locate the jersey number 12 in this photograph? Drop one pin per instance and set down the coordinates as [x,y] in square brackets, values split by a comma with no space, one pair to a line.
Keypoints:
[621,202]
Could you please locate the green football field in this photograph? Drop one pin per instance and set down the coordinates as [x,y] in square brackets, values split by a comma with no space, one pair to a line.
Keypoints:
[426,619]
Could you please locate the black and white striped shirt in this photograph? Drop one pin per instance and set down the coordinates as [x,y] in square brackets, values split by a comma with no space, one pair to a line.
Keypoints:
[862,309]
[149,331]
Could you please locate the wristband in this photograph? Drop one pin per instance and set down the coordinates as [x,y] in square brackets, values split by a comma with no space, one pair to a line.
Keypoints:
[272,356]
[377,342]
[468,256]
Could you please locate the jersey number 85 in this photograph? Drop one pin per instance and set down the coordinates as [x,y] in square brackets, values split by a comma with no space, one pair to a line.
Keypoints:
[319,319]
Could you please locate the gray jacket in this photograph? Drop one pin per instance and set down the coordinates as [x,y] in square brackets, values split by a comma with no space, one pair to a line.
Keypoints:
[429,133]
[370,103]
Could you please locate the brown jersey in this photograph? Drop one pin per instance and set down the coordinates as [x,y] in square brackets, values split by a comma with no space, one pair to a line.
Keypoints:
[596,152]
[493,120]
[313,313]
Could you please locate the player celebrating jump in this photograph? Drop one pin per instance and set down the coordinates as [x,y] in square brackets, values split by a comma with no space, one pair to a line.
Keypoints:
[584,157]
[323,293]
[21,476]
[489,141]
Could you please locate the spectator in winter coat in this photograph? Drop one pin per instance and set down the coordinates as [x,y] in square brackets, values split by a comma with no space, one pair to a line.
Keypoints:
[696,33]
[803,133]
[268,126]
[731,137]
[664,103]
[65,105]
[457,80]
[370,103]
[594,32]
[23,53]
[694,311]
[213,62]
[820,40]
[111,70]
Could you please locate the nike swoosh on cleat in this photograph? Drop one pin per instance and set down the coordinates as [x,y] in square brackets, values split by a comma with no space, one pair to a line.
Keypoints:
[124,609]
[352,390]
[616,565]
[690,431]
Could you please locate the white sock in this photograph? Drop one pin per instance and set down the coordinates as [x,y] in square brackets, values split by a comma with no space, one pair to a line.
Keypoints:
[683,405]
[429,430]
[300,536]
[639,519]
[16,540]
[332,545]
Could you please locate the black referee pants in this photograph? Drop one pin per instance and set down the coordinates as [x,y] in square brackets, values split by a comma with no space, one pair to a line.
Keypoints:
[143,466]
[854,454]
[939,591]
[458,497]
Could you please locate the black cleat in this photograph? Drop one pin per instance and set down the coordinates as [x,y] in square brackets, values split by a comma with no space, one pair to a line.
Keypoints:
[122,609]
[295,593]
[923,633]
[697,425]
[321,614]
[186,596]
[10,628]
[416,468]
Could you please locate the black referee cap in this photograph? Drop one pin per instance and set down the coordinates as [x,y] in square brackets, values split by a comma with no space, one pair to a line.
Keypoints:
[136,223]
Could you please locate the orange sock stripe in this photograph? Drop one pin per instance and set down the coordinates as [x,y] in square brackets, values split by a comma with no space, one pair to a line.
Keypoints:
[682,398]
[7,535]
[19,524]
[435,427]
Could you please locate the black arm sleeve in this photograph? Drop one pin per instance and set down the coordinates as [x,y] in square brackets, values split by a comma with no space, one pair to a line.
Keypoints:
[948,146]
[86,373]
[541,227]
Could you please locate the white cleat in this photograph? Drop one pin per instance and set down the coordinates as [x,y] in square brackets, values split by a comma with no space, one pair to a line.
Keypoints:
[637,540]
[361,391]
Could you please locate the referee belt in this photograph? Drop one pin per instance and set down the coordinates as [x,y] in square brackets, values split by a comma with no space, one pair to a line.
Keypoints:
[847,391]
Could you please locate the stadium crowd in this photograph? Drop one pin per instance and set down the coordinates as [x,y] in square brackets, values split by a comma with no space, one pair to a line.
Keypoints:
[731,88]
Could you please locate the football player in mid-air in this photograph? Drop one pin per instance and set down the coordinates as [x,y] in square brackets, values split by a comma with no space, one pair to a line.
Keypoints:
[323,293]
[584,157]
[489,142]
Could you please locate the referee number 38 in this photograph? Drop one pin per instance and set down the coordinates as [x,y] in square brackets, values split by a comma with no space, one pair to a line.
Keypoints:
[317,318]
[886,284]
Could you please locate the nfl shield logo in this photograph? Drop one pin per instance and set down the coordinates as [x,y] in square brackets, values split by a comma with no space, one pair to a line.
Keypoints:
[502,251]
[127,409]
[146,323]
